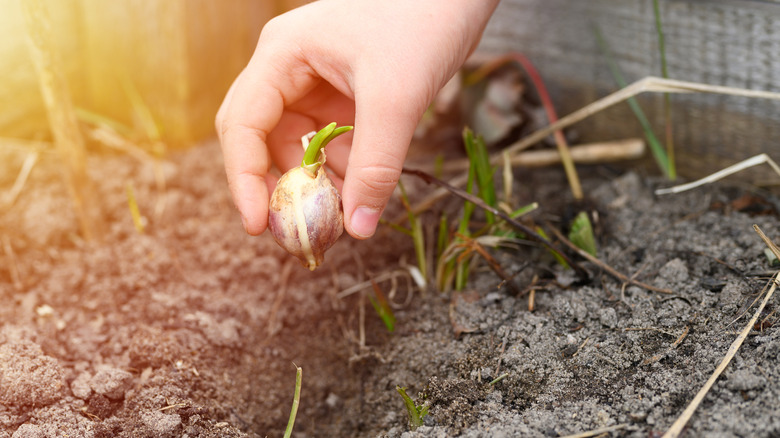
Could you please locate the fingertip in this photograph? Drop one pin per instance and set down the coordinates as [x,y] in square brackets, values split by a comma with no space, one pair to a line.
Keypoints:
[250,195]
[363,222]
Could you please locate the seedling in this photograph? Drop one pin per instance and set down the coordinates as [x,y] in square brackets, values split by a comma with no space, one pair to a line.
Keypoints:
[581,233]
[135,212]
[416,412]
[296,401]
[415,231]
[382,307]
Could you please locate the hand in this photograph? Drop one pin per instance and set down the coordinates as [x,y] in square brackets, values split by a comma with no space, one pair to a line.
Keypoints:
[376,65]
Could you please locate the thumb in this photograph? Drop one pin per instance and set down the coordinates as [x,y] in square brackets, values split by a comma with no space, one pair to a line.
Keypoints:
[384,125]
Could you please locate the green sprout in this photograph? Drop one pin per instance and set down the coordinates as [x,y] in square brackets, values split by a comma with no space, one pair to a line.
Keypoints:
[416,412]
[312,158]
[382,307]
[135,212]
[581,233]
[296,401]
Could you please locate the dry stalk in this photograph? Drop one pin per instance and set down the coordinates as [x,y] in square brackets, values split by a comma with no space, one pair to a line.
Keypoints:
[742,165]
[13,267]
[10,197]
[587,153]
[62,118]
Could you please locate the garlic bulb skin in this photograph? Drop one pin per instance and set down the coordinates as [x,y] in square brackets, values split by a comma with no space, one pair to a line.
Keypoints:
[305,214]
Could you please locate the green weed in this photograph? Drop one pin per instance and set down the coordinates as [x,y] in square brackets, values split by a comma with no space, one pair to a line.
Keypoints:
[416,412]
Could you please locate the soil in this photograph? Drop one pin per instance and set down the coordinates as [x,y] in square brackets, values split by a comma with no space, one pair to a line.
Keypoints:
[192,328]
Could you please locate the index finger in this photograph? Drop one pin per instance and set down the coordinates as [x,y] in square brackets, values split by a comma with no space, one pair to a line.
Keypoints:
[250,111]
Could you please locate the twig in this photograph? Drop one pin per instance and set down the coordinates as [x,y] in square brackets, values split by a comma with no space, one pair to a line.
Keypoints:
[772,247]
[391,275]
[12,265]
[21,179]
[173,406]
[492,262]
[528,232]
[610,270]
[742,165]
[587,153]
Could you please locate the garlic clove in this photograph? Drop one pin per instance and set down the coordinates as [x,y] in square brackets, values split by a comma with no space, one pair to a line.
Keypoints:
[305,215]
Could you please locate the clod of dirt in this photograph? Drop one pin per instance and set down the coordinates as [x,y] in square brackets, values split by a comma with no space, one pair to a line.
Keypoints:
[101,407]
[29,431]
[453,402]
[27,376]
[80,386]
[161,424]
[111,383]
[221,333]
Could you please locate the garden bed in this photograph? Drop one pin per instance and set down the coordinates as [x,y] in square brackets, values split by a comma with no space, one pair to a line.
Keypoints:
[192,328]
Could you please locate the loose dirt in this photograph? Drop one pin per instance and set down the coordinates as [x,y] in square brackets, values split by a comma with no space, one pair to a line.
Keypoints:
[191,329]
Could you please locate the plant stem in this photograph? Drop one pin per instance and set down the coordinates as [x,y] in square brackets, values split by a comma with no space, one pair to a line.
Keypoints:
[296,401]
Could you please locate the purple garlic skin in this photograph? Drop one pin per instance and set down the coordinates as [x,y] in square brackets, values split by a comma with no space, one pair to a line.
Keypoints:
[305,215]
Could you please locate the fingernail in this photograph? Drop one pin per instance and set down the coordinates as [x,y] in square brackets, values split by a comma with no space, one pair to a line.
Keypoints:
[244,223]
[364,221]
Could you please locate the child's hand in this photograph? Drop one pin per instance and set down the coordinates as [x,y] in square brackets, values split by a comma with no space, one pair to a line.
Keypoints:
[375,64]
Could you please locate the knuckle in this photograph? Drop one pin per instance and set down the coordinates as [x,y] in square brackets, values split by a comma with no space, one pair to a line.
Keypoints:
[378,180]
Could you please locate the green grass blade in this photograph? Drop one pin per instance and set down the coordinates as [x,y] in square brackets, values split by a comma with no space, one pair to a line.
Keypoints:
[418,237]
[524,210]
[442,239]
[555,255]
[480,160]
[659,154]
[667,98]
